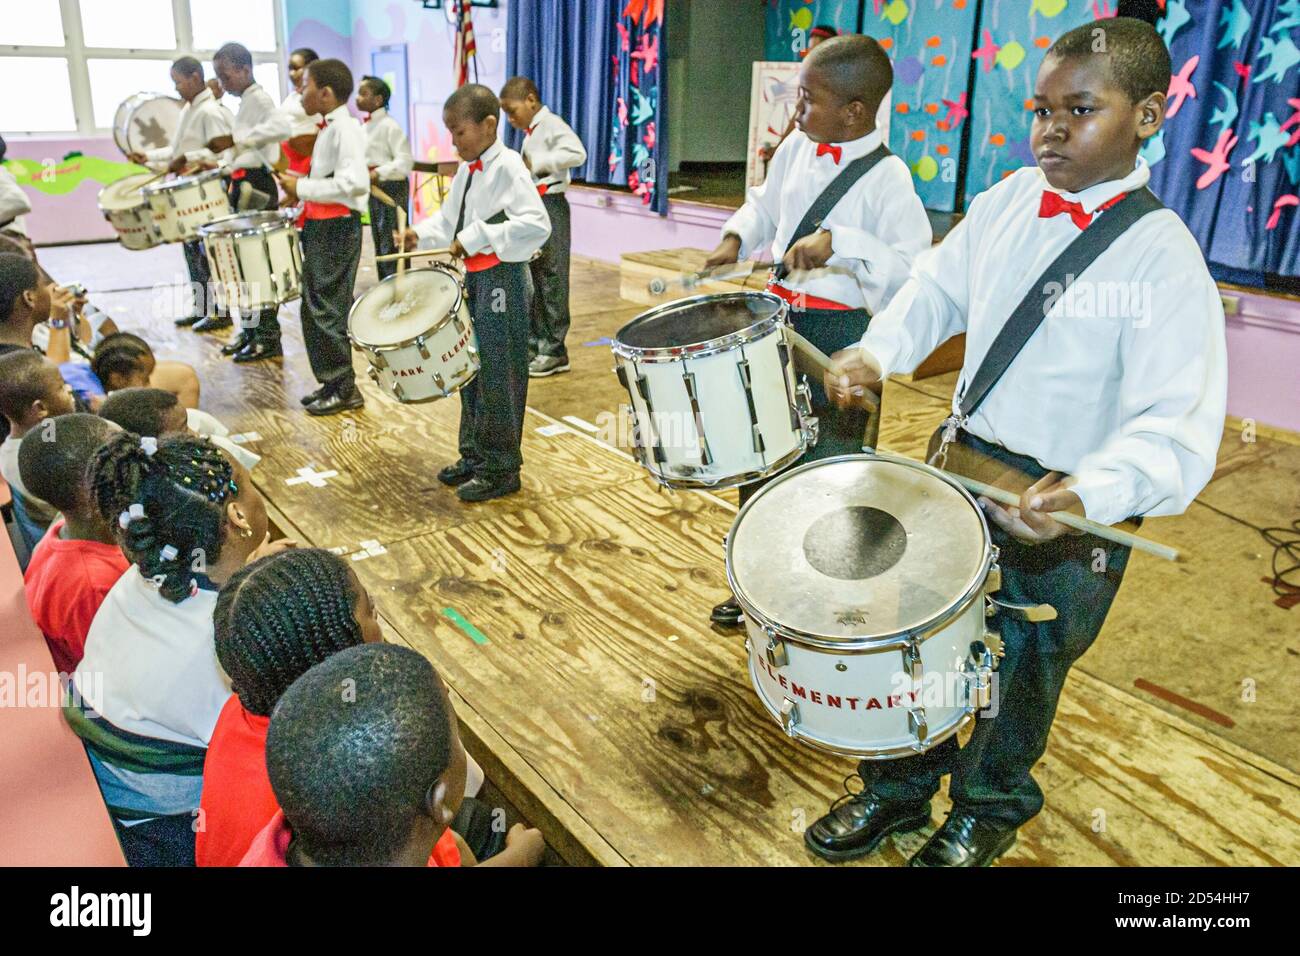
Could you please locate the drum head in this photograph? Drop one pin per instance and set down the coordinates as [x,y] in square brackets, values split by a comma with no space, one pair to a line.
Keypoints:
[857,547]
[124,193]
[404,306]
[697,321]
[246,222]
[146,121]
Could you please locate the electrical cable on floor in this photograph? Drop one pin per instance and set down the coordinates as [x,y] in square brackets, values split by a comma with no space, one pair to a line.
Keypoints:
[1285,543]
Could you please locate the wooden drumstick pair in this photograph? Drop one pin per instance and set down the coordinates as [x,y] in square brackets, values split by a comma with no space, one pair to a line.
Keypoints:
[817,359]
[387,200]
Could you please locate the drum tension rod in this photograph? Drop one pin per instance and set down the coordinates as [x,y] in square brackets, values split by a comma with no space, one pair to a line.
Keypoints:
[746,379]
[689,378]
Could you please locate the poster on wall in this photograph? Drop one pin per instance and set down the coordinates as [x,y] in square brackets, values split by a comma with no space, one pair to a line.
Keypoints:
[773,89]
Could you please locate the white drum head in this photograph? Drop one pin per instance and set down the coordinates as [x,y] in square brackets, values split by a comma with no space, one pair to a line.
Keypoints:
[697,322]
[146,121]
[404,306]
[857,547]
[123,194]
[246,222]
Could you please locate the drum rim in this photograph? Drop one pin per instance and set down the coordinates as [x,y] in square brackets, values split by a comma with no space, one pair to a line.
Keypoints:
[99,200]
[280,222]
[193,179]
[851,645]
[724,343]
[731,481]
[966,714]
[436,327]
[135,99]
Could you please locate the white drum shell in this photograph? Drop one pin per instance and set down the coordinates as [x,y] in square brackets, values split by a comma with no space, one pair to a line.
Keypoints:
[862,709]
[182,205]
[133,222]
[254,269]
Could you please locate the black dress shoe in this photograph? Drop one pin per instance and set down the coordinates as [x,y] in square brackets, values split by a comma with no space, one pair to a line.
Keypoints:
[186,320]
[857,822]
[457,474]
[965,840]
[213,323]
[312,397]
[256,351]
[485,489]
[333,402]
[238,343]
[726,614]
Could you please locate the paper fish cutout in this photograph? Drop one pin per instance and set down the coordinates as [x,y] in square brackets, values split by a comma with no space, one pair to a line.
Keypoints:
[1270,136]
[1226,116]
[1282,55]
[1236,24]
[1176,17]
[1216,160]
[1180,87]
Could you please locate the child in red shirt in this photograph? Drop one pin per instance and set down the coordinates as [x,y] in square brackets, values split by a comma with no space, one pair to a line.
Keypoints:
[365,759]
[78,560]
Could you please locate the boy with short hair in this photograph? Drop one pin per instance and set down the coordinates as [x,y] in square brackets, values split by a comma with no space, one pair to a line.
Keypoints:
[202,120]
[78,561]
[1107,415]
[334,194]
[31,390]
[494,220]
[845,266]
[551,149]
[389,159]
[148,412]
[254,149]
[372,777]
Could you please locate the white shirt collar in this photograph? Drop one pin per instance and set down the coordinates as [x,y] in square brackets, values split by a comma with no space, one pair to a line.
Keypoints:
[491,153]
[1100,193]
[338,112]
[378,114]
[204,97]
[250,88]
[539,116]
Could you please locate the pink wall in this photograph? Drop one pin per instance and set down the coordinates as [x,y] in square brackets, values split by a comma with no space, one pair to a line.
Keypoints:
[1263,358]
[66,209]
[624,224]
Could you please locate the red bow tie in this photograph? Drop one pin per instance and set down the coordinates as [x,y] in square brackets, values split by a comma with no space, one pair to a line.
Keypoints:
[322,124]
[476,166]
[529,131]
[1053,205]
[368,118]
[824,149]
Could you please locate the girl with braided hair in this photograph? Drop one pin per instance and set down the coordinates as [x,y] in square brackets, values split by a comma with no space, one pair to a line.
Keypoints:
[147,693]
[274,620]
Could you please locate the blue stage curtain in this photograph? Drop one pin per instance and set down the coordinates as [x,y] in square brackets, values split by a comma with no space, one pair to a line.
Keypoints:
[581,54]
[1228,158]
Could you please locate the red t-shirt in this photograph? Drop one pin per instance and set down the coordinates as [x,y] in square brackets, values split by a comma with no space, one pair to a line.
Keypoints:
[66,582]
[270,847]
[237,800]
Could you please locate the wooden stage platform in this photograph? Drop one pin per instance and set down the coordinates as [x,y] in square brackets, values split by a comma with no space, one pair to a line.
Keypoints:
[590,686]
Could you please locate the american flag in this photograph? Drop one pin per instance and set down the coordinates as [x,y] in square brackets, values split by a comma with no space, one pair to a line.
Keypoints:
[464,42]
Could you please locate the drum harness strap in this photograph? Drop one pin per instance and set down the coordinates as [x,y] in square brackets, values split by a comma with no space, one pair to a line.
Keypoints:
[1038,301]
[832,194]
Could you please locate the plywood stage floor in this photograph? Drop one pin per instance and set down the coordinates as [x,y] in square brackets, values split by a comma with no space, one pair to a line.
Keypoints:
[601,703]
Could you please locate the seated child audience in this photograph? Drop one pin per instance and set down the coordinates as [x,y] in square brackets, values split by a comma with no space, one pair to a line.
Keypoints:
[372,777]
[124,360]
[273,621]
[28,299]
[154,412]
[31,391]
[149,687]
[78,561]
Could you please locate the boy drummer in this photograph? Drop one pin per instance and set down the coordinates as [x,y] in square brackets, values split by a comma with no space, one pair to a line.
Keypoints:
[494,220]
[1109,415]
[847,268]
[202,120]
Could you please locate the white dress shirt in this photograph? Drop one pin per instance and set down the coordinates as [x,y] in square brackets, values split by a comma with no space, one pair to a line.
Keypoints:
[300,124]
[150,666]
[388,151]
[260,128]
[1124,385]
[338,164]
[14,203]
[876,229]
[552,148]
[503,185]
[201,120]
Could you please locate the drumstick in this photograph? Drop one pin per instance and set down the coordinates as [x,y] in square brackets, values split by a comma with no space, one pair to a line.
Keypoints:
[822,363]
[1072,520]
[401,231]
[415,253]
[689,280]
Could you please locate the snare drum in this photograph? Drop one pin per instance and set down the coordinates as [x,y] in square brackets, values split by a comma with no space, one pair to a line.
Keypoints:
[146,121]
[417,335]
[713,393]
[183,204]
[255,260]
[864,582]
[123,205]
